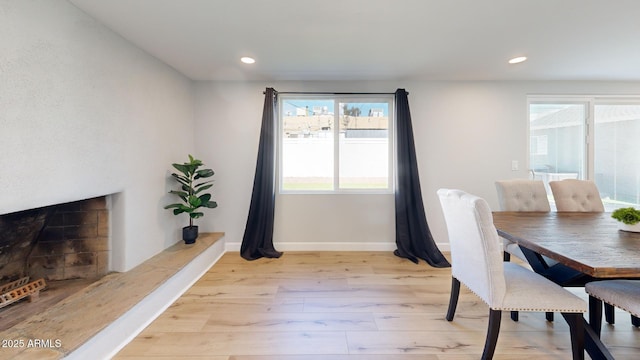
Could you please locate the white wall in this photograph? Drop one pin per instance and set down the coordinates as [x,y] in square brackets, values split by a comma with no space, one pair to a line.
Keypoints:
[66,80]
[84,113]
[466,133]
[228,118]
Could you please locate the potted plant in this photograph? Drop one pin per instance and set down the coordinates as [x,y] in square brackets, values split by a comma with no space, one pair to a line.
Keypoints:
[191,194]
[629,219]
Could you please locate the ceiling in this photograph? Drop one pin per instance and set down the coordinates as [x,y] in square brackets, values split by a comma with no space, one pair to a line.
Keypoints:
[383,39]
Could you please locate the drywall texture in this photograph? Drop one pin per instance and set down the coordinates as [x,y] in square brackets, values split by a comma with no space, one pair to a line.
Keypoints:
[466,136]
[85,113]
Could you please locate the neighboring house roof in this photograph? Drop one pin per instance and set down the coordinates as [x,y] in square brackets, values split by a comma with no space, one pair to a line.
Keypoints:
[572,116]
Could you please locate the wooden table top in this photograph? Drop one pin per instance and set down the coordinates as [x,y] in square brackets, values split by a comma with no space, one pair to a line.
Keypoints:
[588,242]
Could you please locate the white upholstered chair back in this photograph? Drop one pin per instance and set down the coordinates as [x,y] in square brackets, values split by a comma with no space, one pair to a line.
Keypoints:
[576,195]
[476,250]
[522,195]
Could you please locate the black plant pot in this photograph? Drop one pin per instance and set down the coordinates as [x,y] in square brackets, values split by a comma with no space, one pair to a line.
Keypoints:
[189,234]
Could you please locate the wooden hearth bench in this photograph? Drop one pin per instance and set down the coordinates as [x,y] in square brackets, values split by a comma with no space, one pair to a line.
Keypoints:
[99,320]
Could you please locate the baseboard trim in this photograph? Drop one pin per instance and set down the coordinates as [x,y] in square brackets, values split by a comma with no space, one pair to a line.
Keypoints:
[331,246]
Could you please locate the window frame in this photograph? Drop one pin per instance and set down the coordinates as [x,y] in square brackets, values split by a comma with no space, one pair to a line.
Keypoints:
[338,99]
[568,100]
[590,102]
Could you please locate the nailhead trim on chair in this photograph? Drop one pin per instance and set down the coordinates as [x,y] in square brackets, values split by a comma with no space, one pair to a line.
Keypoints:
[601,287]
[527,309]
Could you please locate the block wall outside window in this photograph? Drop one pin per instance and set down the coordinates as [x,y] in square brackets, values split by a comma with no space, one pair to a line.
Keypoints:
[334,144]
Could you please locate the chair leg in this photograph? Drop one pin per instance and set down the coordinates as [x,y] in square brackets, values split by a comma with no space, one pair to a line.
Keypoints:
[549,316]
[576,327]
[635,321]
[492,334]
[595,314]
[453,299]
[514,316]
[506,256]
[609,313]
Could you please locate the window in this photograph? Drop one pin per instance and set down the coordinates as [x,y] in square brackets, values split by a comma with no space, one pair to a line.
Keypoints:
[336,144]
[561,154]
[593,138]
[539,145]
[617,153]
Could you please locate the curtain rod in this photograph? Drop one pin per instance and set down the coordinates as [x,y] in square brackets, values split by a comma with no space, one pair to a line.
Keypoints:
[330,93]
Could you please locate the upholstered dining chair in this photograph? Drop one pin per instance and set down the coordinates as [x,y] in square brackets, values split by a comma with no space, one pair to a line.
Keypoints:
[624,294]
[476,255]
[576,195]
[520,195]
[573,195]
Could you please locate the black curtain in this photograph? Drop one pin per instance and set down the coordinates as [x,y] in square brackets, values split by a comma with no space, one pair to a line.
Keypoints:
[413,237]
[257,241]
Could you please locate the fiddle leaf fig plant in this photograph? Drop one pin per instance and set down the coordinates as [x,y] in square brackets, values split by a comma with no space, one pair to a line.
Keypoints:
[628,215]
[191,190]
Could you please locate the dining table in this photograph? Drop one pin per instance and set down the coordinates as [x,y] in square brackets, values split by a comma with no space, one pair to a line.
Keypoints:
[573,248]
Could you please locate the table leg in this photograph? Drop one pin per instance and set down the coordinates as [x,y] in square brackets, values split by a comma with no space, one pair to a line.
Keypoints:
[566,276]
[593,345]
[558,273]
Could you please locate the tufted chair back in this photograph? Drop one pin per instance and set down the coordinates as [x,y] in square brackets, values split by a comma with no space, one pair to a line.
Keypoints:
[576,195]
[522,195]
[475,245]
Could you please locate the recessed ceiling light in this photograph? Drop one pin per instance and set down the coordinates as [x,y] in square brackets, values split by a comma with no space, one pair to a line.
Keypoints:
[517,60]
[247,60]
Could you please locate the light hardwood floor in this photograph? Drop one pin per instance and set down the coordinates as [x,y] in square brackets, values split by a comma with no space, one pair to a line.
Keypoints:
[345,306]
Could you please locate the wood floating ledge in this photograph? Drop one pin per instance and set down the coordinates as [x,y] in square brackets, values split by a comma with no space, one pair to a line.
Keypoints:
[96,322]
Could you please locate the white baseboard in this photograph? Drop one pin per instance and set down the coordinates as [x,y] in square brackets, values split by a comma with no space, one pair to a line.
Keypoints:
[334,246]
[331,246]
[114,337]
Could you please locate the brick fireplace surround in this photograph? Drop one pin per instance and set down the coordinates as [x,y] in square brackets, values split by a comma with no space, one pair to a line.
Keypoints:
[63,242]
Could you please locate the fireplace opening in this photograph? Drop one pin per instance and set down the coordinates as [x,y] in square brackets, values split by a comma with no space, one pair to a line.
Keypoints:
[61,248]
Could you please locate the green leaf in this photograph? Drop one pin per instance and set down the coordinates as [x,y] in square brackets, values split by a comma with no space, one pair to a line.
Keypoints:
[194,162]
[199,189]
[210,204]
[195,201]
[182,168]
[182,194]
[204,173]
[195,215]
[181,179]
[203,183]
